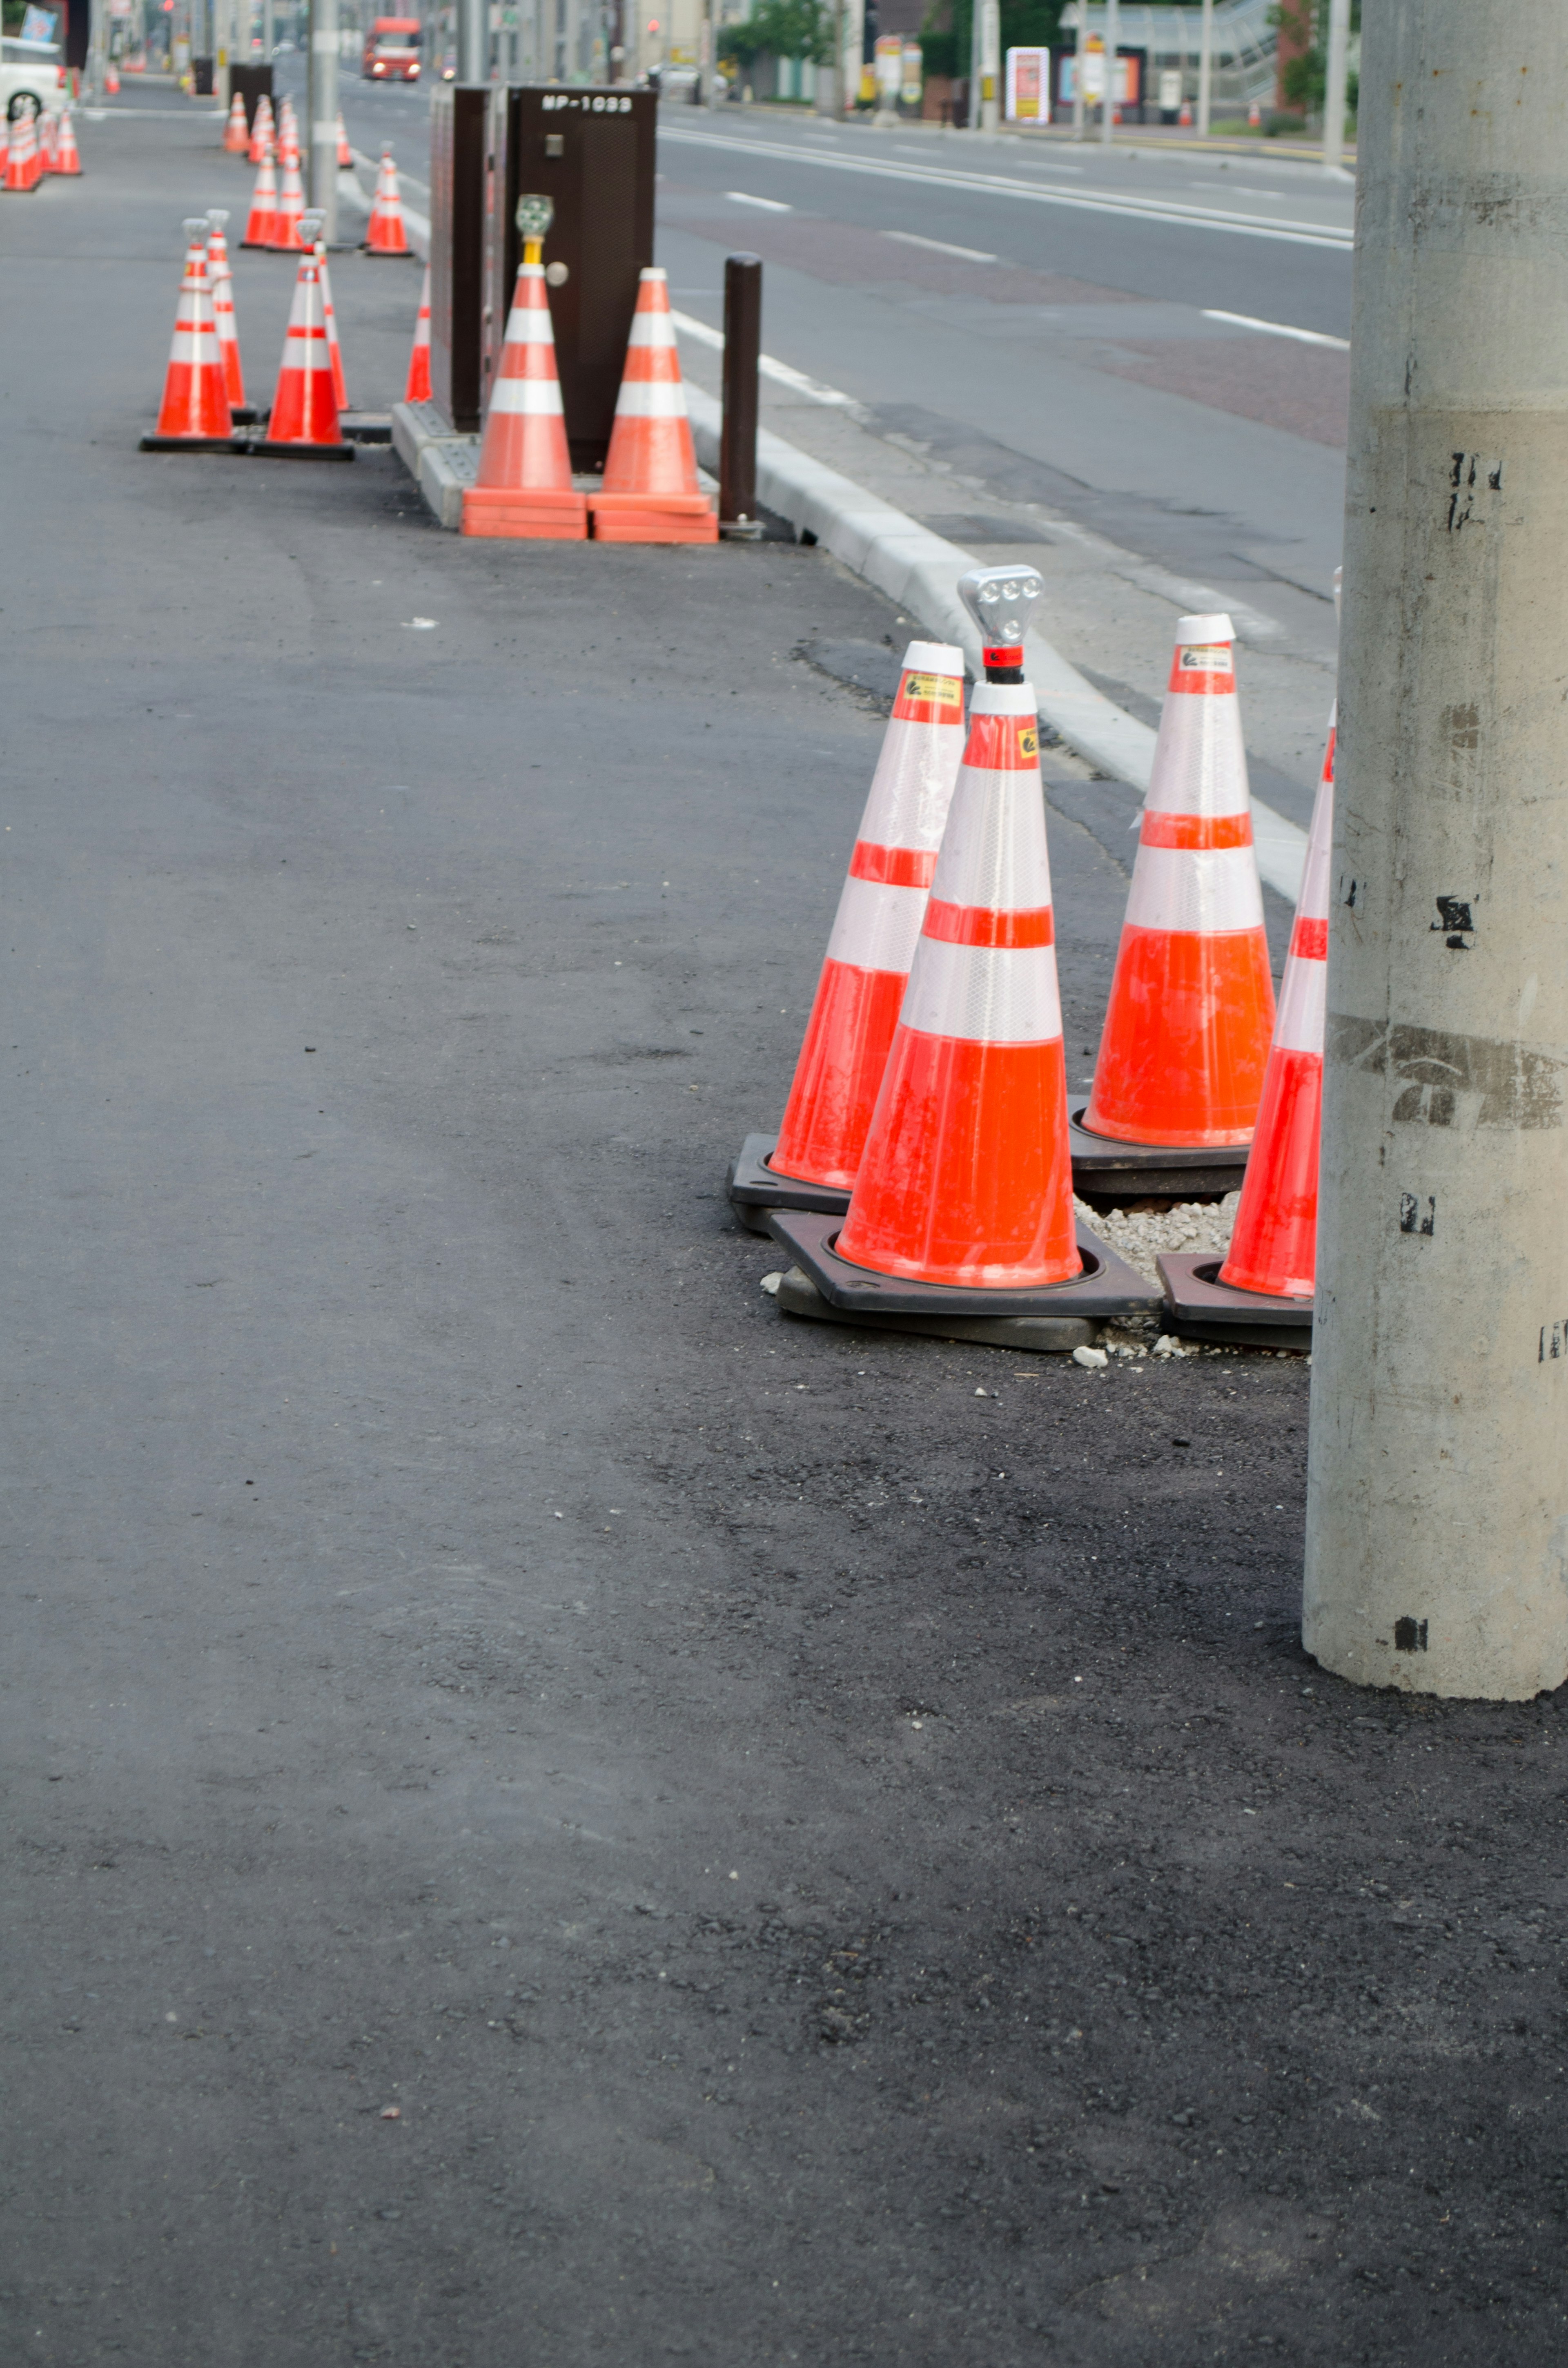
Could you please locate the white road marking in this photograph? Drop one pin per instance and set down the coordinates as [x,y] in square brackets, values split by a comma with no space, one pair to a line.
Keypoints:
[1170,210]
[940,246]
[1278,329]
[781,372]
[769,204]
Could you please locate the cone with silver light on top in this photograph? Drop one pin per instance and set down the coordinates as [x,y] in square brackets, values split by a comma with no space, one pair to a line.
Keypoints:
[334,350]
[263,129]
[304,424]
[1187,1033]
[961,1221]
[261,222]
[813,1160]
[650,492]
[223,283]
[418,387]
[523,490]
[193,416]
[386,234]
[24,166]
[1261,1295]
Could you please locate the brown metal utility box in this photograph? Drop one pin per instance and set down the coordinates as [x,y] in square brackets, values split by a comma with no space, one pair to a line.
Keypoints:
[248,83]
[592,152]
[459,165]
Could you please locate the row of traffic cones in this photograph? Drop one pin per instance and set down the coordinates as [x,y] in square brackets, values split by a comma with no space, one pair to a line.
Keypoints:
[278,203]
[923,1169]
[204,385]
[32,147]
[523,489]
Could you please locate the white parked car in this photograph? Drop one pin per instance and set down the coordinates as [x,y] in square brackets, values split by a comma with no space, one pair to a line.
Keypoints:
[32,76]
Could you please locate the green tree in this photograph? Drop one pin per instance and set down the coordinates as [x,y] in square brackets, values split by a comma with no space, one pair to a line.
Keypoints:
[780,28]
[1304,27]
[945,46]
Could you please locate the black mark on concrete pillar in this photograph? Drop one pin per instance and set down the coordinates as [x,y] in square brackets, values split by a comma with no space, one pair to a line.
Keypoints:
[1553,1341]
[1415,1217]
[1455,922]
[1469,481]
[1461,727]
[1410,1635]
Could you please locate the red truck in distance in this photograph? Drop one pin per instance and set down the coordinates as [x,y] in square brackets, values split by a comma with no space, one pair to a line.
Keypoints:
[391,49]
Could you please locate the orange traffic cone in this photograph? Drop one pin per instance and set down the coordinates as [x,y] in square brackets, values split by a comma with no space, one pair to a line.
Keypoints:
[334,350]
[262,130]
[1255,117]
[22,161]
[304,424]
[386,235]
[222,282]
[418,387]
[523,490]
[236,131]
[964,1203]
[880,909]
[1184,118]
[111,79]
[261,223]
[67,159]
[650,492]
[1186,1039]
[285,235]
[5,148]
[1262,1294]
[288,125]
[345,153]
[195,415]
[47,144]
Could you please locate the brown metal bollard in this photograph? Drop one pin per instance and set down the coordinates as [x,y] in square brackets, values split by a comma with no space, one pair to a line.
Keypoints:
[738,517]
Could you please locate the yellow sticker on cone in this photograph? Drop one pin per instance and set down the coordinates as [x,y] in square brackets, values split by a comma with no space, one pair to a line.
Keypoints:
[1028,740]
[936,689]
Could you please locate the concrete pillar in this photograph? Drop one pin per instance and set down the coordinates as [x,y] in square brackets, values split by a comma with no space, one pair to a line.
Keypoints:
[989,14]
[1336,81]
[1112,36]
[1437,1489]
[320,94]
[473,40]
[1206,70]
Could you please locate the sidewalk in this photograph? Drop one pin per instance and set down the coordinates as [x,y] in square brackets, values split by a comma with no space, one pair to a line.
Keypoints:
[556,1815]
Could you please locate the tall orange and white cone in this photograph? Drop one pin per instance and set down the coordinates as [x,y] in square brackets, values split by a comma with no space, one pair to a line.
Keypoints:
[5,146]
[67,157]
[1186,1039]
[1274,1245]
[345,153]
[111,78]
[386,234]
[236,131]
[967,1176]
[23,169]
[418,387]
[261,222]
[48,143]
[286,232]
[650,492]
[196,403]
[222,282]
[304,407]
[262,131]
[880,909]
[523,489]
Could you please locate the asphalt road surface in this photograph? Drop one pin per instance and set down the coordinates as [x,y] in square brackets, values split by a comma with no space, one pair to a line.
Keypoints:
[553,1814]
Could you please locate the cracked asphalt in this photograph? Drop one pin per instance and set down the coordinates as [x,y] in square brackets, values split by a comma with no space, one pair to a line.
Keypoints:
[553,1812]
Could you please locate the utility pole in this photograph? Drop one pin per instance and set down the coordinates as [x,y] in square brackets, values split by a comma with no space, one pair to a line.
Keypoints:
[1437,1484]
[1112,35]
[1078,71]
[320,95]
[1336,84]
[269,32]
[990,14]
[1206,69]
[473,40]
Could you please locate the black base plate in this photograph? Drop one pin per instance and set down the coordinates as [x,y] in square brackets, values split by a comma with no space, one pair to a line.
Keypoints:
[754,1187]
[1031,1336]
[1107,1287]
[230,444]
[261,448]
[365,427]
[1108,1174]
[1199,1306]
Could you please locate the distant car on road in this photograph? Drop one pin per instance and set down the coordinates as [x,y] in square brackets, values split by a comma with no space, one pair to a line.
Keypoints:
[33,77]
[391,49]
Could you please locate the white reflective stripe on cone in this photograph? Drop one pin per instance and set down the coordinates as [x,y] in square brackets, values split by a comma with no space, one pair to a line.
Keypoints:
[529,328]
[1201,888]
[1200,765]
[651,329]
[984,995]
[1303,1007]
[648,399]
[908,800]
[876,926]
[194,346]
[993,851]
[535,397]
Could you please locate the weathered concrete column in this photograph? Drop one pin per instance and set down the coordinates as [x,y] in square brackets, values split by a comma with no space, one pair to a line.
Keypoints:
[1437,1494]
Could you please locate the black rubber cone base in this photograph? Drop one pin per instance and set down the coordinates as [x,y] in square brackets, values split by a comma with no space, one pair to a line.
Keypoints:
[1108,1174]
[1038,1336]
[230,444]
[754,1188]
[365,427]
[1061,1315]
[1199,1306]
[262,447]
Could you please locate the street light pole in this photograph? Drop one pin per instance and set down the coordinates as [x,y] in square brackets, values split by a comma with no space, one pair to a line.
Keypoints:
[1335,84]
[1107,104]
[1078,71]
[322,107]
[1206,70]
[1437,1551]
